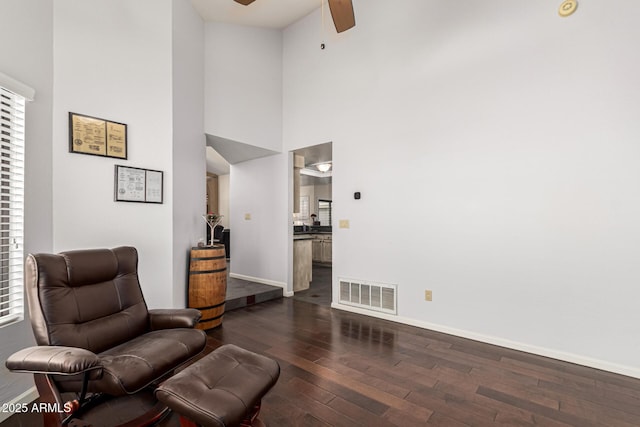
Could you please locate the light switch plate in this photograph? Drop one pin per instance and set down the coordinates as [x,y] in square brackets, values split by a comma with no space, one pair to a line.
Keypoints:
[344,223]
[247,217]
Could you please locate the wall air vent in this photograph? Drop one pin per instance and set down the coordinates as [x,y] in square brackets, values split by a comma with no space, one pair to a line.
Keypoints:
[371,296]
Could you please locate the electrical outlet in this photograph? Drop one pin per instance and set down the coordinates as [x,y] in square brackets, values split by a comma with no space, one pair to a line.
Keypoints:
[344,223]
[428,295]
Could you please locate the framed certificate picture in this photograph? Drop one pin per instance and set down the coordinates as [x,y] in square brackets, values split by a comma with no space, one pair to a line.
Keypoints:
[138,185]
[98,137]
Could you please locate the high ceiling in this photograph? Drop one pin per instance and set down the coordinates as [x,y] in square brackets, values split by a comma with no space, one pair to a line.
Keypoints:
[261,13]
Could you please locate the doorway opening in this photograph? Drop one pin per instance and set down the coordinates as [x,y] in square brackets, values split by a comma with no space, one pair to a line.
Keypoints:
[312,224]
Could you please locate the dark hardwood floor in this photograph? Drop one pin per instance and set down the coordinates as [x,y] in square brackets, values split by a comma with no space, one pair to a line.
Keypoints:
[342,369]
[319,291]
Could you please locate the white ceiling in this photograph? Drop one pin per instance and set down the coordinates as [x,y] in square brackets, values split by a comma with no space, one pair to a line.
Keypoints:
[316,154]
[313,155]
[261,13]
[216,164]
[235,152]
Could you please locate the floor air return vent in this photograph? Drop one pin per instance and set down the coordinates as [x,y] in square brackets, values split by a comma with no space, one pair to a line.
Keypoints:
[371,296]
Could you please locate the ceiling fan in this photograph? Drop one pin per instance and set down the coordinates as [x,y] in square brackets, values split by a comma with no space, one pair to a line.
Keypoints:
[341,12]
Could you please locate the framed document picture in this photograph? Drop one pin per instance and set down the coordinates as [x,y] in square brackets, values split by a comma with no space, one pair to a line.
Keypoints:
[98,137]
[138,185]
[153,187]
[116,140]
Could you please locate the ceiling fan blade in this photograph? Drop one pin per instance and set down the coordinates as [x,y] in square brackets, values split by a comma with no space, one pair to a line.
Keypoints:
[245,2]
[342,14]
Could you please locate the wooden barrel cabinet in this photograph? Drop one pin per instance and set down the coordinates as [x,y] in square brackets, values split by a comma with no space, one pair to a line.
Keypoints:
[208,284]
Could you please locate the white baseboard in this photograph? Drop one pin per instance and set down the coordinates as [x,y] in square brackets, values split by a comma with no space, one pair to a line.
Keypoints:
[282,285]
[25,398]
[514,345]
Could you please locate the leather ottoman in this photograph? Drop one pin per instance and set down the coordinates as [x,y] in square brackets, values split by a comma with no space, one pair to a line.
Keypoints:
[223,389]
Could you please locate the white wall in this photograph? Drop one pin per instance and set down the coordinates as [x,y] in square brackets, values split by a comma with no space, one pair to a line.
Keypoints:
[243,84]
[315,192]
[189,159]
[322,191]
[259,245]
[29,58]
[113,60]
[309,191]
[243,102]
[508,139]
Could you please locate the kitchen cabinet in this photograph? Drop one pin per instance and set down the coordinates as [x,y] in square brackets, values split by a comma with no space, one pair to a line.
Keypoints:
[316,249]
[302,271]
[322,248]
[327,246]
[212,193]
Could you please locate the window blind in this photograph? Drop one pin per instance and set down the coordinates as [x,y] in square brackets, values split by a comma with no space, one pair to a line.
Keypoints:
[12,132]
[324,212]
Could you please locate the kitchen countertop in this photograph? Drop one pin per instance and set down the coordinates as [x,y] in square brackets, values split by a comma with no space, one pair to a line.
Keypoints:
[300,233]
[302,236]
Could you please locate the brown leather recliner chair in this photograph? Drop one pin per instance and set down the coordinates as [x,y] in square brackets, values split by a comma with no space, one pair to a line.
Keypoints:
[94,332]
